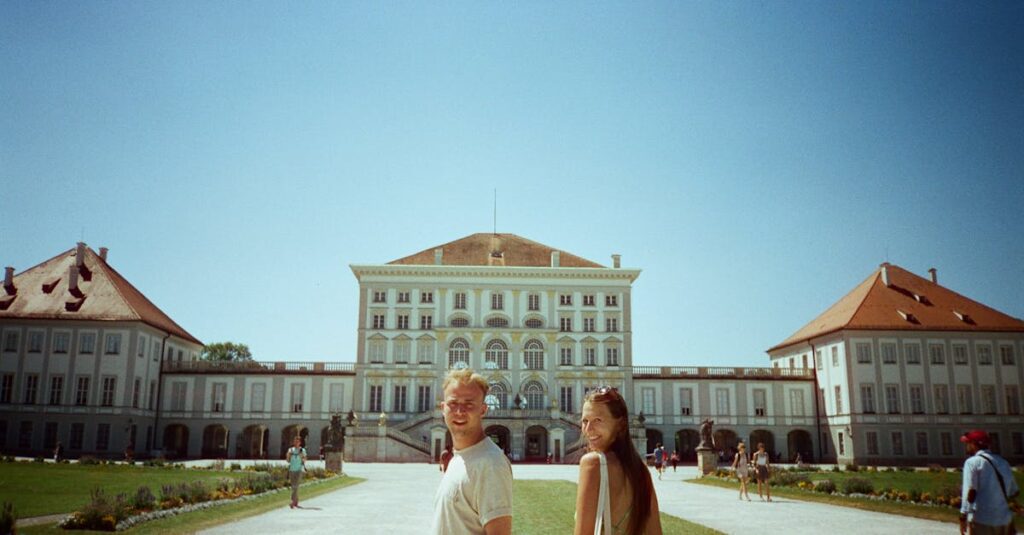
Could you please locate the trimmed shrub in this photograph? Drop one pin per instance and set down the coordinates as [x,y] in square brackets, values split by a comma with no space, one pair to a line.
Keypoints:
[197,492]
[936,468]
[88,460]
[852,467]
[788,479]
[101,513]
[158,462]
[835,468]
[236,466]
[144,499]
[826,486]
[858,485]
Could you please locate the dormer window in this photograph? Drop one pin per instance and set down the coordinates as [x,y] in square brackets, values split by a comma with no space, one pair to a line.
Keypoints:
[907,316]
[922,299]
[962,316]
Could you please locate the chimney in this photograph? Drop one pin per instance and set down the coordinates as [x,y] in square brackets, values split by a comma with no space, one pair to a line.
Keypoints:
[885,273]
[9,280]
[80,254]
[73,281]
[935,275]
[616,261]
[103,253]
[438,254]
[555,257]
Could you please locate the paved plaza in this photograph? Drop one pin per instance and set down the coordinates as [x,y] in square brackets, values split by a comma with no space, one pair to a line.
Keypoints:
[397,499]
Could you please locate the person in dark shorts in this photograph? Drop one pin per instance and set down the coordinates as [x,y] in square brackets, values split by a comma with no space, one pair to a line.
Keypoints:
[762,471]
[659,460]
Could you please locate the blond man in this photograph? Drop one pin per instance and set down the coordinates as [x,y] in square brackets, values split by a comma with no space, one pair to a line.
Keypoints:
[475,495]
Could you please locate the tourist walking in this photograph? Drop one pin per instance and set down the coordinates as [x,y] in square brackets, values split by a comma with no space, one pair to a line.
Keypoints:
[615,495]
[475,494]
[296,465]
[741,465]
[659,459]
[988,487]
[762,471]
[675,459]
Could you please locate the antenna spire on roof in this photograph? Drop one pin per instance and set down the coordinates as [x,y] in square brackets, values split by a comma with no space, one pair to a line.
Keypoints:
[495,210]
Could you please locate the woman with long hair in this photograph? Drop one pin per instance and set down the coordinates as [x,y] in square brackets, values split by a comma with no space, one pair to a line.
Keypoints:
[740,464]
[615,495]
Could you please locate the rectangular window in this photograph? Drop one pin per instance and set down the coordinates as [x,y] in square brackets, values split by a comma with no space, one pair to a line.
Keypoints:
[941,399]
[398,403]
[378,321]
[25,434]
[76,436]
[11,341]
[425,351]
[107,394]
[426,322]
[995,446]
[142,348]
[589,356]
[565,299]
[946,443]
[647,397]
[686,401]
[565,355]
[403,348]
[722,401]
[403,297]
[1012,400]
[257,398]
[985,355]
[835,357]
[403,321]
[377,351]
[50,435]
[35,342]
[611,325]
[872,442]
[179,390]
[376,398]
[1017,443]
[817,359]
[82,392]
[897,443]
[959,354]
[964,399]
[497,301]
[151,404]
[113,344]
[31,389]
[156,351]
[87,343]
[917,399]
[888,353]
[864,353]
[988,399]
[839,399]
[796,402]
[842,444]
[380,297]
[56,389]
[102,437]
[760,402]
[565,399]
[136,392]
[913,353]
[588,325]
[424,399]
[922,442]
[611,300]
[612,356]
[892,399]
[937,353]
[217,400]
[298,396]
[867,398]
[460,301]
[426,297]
[588,300]
[1006,355]
[533,302]
[565,324]
[61,341]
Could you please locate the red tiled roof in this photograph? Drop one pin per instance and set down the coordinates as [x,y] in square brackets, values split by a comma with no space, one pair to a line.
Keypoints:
[874,306]
[477,249]
[107,295]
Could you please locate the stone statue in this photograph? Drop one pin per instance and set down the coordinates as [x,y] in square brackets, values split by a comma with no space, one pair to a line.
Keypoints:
[336,434]
[707,440]
[353,420]
[382,420]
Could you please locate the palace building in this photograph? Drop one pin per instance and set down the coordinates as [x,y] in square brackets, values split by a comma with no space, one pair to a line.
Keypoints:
[87,360]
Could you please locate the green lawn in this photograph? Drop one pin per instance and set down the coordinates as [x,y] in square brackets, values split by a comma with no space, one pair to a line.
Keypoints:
[546,507]
[38,489]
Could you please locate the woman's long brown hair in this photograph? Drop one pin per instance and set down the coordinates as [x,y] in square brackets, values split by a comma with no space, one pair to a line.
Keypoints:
[633,465]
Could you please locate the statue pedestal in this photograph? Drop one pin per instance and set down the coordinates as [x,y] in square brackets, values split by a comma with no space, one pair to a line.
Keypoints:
[707,461]
[333,461]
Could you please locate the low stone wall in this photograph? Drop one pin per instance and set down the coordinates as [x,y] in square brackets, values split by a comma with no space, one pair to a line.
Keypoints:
[378,447]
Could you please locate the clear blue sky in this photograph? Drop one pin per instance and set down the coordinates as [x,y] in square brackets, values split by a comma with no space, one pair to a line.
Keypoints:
[756,159]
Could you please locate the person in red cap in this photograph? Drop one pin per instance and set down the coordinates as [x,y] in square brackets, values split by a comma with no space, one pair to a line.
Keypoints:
[988,488]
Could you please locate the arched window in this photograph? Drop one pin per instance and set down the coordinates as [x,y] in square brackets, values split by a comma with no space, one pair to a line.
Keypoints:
[533,355]
[460,322]
[534,323]
[458,352]
[497,321]
[534,395]
[500,393]
[496,353]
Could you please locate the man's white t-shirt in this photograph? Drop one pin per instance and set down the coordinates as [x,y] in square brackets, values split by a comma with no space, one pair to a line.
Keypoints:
[476,489]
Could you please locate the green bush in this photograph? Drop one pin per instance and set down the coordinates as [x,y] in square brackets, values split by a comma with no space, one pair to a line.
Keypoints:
[835,468]
[88,460]
[197,492]
[143,499]
[915,495]
[101,513]
[826,486]
[316,473]
[158,462]
[788,479]
[858,485]
[906,469]
[236,466]
[936,468]
[852,467]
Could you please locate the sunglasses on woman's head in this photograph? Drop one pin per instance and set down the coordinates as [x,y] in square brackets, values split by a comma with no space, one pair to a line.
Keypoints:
[606,390]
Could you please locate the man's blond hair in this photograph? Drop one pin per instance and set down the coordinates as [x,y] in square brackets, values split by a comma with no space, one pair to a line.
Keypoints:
[465,376]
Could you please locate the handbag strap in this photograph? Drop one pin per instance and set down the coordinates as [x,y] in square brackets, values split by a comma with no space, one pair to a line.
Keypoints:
[1002,485]
[603,524]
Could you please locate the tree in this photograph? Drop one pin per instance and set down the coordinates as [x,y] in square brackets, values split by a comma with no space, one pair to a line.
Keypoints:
[227,351]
